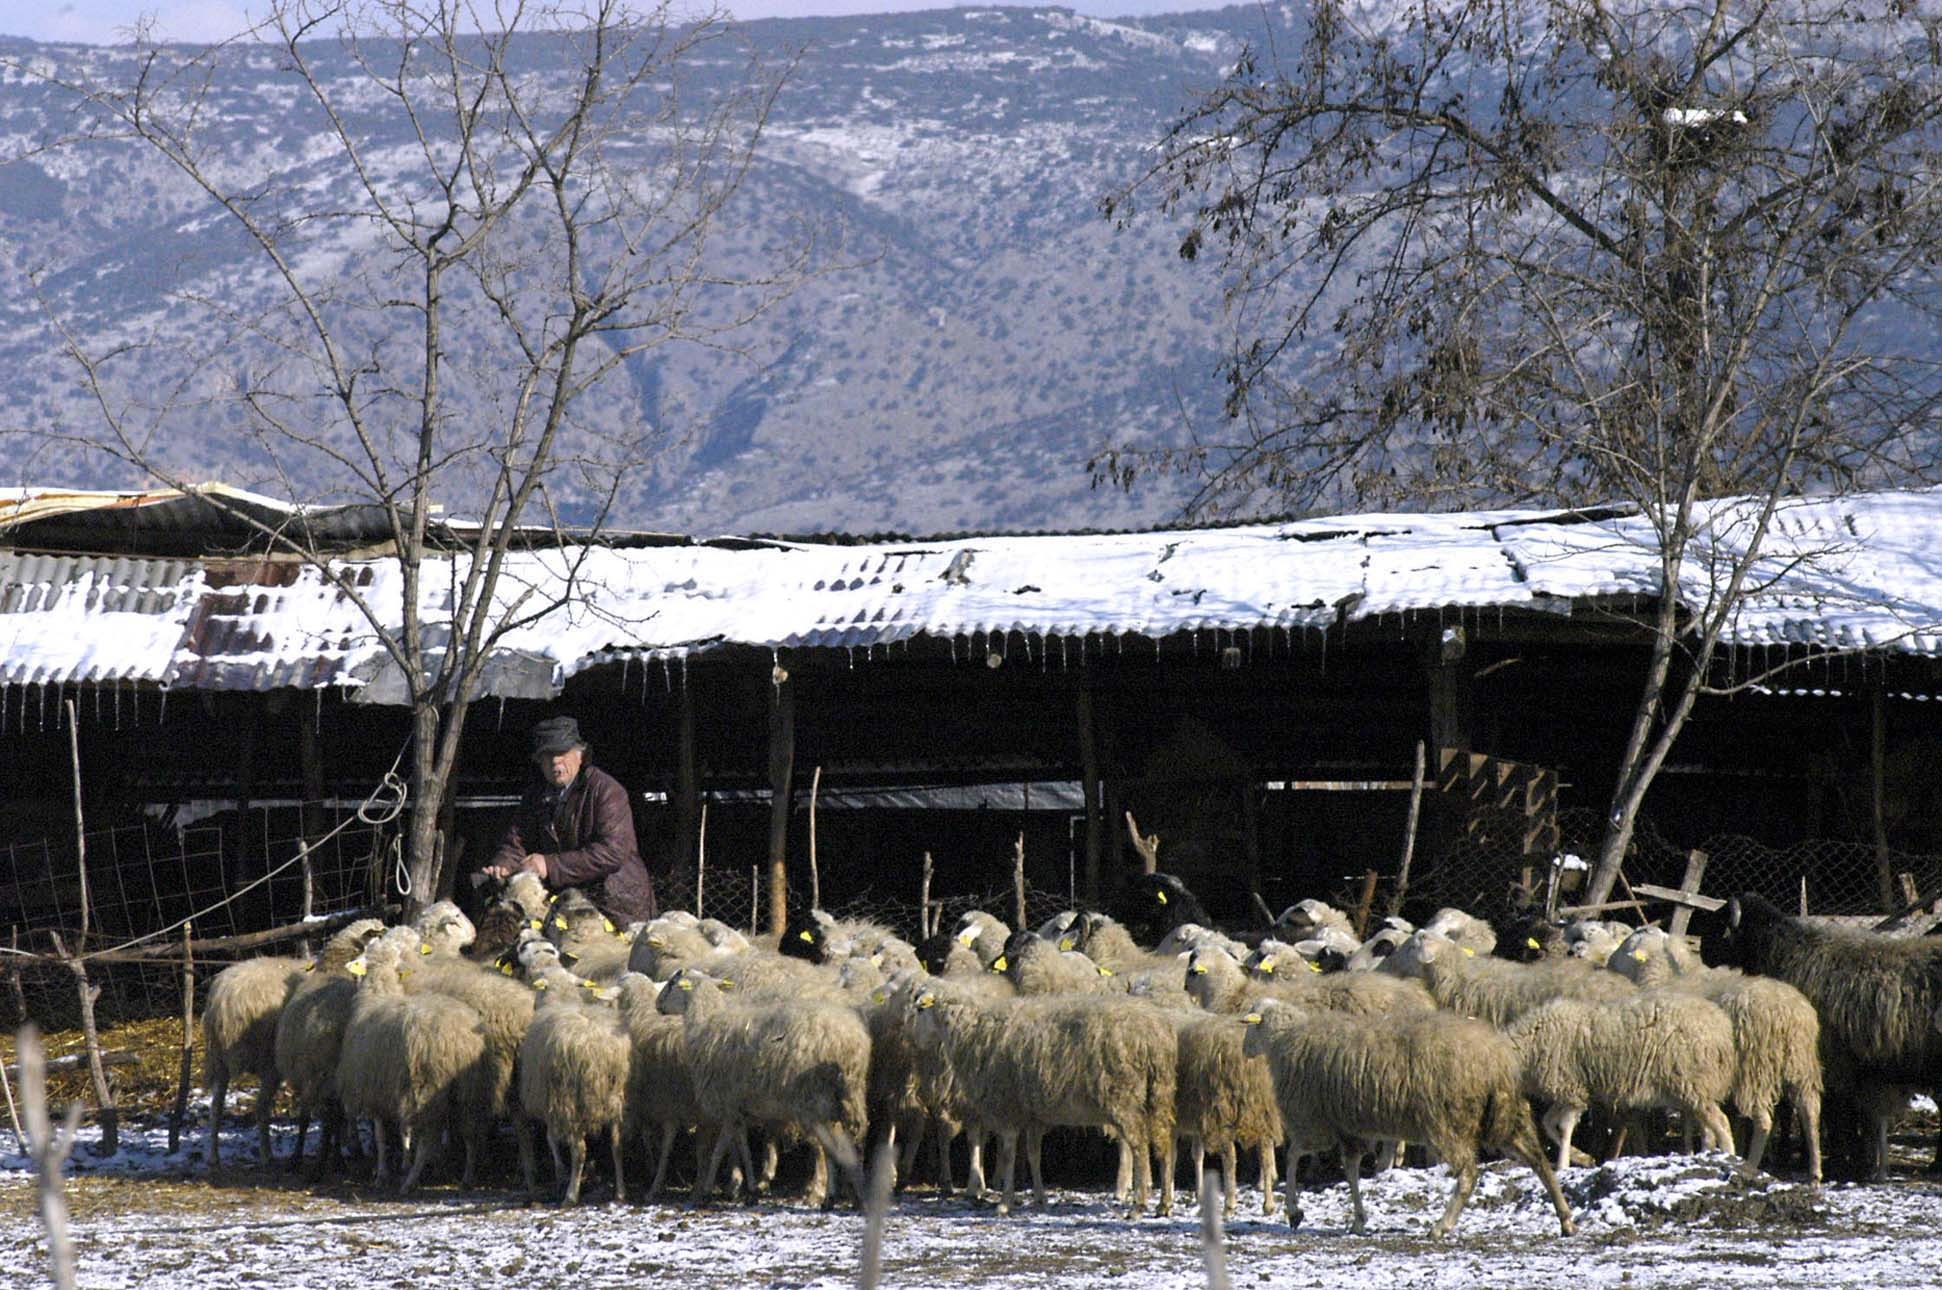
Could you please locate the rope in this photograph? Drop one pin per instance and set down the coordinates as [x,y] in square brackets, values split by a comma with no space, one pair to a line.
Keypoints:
[381,806]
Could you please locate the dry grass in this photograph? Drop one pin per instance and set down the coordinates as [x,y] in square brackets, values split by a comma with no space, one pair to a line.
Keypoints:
[147,1084]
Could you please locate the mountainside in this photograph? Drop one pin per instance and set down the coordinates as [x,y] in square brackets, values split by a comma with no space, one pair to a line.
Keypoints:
[991,330]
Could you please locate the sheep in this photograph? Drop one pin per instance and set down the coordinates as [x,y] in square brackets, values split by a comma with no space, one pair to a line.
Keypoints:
[1303,919]
[801,1063]
[1376,950]
[1224,1100]
[574,1064]
[984,934]
[1027,1065]
[505,1009]
[443,930]
[1472,933]
[944,955]
[660,1091]
[1652,1049]
[1217,984]
[951,1107]
[664,946]
[1776,1034]
[1188,937]
[1156,903]
[310,1032]
[404,1058]
[1108,944]
[1344,1081]
[1499,991]
[1036,966]
[1593,940]
[239,1025]
[1877,996]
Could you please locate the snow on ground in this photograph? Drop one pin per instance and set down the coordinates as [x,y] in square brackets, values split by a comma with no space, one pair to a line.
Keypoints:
[146,1218]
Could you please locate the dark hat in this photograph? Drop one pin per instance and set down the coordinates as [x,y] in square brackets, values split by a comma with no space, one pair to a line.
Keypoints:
[556,735]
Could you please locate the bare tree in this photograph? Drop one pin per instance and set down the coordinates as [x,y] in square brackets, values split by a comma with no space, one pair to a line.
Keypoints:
[1484,251]
[491,211]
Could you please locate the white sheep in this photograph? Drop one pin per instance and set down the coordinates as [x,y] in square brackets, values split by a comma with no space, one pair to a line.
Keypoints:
[1467,930]
[573,1076]
[800,1063]
[405,1058]
[1776,1034]
[1218,984]
[1345,1081]
[239,1024]
[310,1032]
[1498,990]
[982,933]
[1650,1049]
[1224,1100]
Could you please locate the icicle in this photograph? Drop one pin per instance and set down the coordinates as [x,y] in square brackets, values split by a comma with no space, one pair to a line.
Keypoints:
[499,725]
[163,715]
[40,718]
[849,653]
[625,661]
[667,675]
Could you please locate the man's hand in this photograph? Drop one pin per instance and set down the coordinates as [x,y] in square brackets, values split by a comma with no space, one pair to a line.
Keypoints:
[536,863]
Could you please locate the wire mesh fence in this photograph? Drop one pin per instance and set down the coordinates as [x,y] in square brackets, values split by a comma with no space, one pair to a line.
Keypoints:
[236,873]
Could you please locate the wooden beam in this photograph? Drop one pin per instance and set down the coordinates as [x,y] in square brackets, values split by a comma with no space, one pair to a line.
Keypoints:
[1673,896]
[1695,870]
[1089,779]
[782,765]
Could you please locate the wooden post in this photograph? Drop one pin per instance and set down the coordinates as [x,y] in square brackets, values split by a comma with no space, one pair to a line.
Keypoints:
[701,857]
[180,1112]
[1147,844]
[815,875]
[13,1111]
[688,807]
[1409,830]
[754,899]
[104,1096]
[1365,905]
[1682,915]
[924,932]
[1018,883]
[80,824]
[1089,780]
[50,1151]
[310,758]
[782,765]
[1878,775]
[1803,895]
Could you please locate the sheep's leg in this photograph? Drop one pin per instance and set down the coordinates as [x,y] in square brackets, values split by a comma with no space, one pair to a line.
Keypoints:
[1352,1170]
[705,1184]
[576,1153]
[1756,1139]
[941,1135]
[265,1106]
[907,1158]
[620,1177]
[1808,1112]
[218,1095]
[424,1146]
[1197,1153]
[523,1131]
[668,1131]
[1266,1150]
[1034,1156]
[750,1180]
[1561,1122]
[1459,1195]
[1530,1150]
[1292,1185]
[379,1174]
[1230,1174]
[1123,1178]
[975,1185]
[1006,1162]
[1386,1152]
[1716,1131]
[1169,1161]
[771,1161]
[303,1131]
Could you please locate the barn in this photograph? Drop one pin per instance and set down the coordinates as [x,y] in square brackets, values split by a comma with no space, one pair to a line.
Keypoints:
[1270,700]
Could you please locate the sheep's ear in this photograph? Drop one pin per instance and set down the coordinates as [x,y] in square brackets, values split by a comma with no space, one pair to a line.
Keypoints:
[968,935]
[505,969]
[726,984]
[1733,913]
[1640,955]
[927,1000]
[879,996]
[310,967]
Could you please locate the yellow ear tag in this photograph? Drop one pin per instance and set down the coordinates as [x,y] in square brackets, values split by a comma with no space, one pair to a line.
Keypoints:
[1467,951]
[1105,972]
[1532,942]
[425,949]
[1161,896]
[560,923]
[926,1000]
[540,984]
[1252,1019]
[879,997]
[1314,967]
[1065,942]
[310,967]
[1198,969]
[607,923]
[685,983]
[1640,955]
[726,984]
[505,969]
[403,973]
[806,935]
[967,936]
[357,967]
[536,924]
[1267,967]
[589,985]
[998,964]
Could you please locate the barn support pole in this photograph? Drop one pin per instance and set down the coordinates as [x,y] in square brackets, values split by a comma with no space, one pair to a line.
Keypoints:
[78,964]
[1449,720]
[1878,794]
[782,765]
[186,1068]
[245,793]
[310,760]
[1251,838]
[1089,778]
[687,786]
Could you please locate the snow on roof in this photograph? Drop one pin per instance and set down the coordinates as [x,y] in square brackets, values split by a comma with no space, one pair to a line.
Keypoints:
[1843,573]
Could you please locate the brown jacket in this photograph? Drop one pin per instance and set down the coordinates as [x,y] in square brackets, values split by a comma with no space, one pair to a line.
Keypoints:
[586,833]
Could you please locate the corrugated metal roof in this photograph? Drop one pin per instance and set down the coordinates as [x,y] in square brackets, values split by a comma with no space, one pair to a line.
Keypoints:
[1849,573]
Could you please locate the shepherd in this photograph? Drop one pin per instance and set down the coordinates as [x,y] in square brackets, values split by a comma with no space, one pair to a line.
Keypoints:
[575,828]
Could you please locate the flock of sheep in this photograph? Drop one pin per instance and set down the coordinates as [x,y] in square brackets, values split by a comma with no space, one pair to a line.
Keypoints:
[1155,1031]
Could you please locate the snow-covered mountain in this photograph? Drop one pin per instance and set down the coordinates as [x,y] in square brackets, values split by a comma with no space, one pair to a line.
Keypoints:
[992,332]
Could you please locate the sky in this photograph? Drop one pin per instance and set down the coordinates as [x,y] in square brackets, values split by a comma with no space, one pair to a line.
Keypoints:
[102,22]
